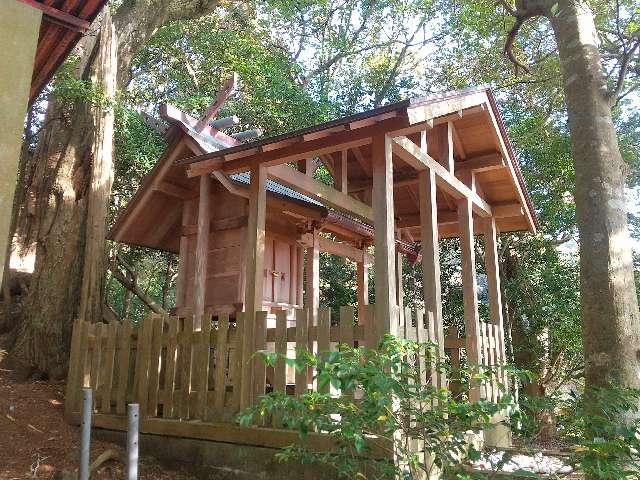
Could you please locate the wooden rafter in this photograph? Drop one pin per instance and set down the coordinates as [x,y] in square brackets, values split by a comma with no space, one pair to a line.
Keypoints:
[319,191]
[414,156]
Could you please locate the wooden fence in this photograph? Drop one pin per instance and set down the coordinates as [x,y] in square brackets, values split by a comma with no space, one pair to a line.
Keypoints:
[178,372]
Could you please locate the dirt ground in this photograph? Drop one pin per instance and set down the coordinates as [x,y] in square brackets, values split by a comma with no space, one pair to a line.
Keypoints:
[36,442]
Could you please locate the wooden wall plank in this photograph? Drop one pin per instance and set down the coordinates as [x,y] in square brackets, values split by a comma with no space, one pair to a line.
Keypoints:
[183,258]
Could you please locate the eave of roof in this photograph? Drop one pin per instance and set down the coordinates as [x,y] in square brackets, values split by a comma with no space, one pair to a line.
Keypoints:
[58,37]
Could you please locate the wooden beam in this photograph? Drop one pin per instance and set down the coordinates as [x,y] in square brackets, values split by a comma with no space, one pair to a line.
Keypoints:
[444,156]
[412,154]
[457,143]
[312,300]
[202,250]
[230,185]
[419,113]
[228,88]
[384,236]
[58,16]
[332,247]
[431,261]
[173,190]
[469,290]
[323,193]
[341,180]
[292,153]
[482,163]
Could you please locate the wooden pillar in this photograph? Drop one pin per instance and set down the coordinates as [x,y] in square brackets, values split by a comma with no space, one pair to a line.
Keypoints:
[384,241]
[341,173]
[493,271]
[362,287]
[469,289]
[431,256]
[202,249]
[300,279]
[254,267]
[313,278]
[183,256]
[399,288]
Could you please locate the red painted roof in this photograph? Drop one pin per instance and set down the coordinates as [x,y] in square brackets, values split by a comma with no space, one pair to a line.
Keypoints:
[63,24]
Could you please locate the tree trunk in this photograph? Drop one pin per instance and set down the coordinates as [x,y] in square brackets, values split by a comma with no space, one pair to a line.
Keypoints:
[69,192]
[609,306]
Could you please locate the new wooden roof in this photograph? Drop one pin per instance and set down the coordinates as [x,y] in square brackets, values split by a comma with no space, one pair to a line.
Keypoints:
[480,145]
[63,23]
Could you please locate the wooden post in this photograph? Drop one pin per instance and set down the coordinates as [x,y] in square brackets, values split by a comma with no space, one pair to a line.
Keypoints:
[202,250]
[341,177]
[300,279]
[469,289]
[254,275]
[254,268]
[493,286]
[313,278]
[362,274]
[383,213]
[431,257]
[446,147]
[183,258]
[399,288]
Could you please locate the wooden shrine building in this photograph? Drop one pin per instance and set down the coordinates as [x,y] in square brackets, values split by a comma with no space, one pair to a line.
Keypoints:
[248,221]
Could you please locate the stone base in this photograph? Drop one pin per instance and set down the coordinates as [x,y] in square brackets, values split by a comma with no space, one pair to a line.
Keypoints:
[499,436]
[222,461]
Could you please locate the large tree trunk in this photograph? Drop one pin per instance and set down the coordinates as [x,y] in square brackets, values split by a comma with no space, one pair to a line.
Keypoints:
[611,323]
[68,195]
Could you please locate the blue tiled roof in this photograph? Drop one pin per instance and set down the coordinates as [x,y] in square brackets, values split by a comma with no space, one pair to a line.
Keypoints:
[275,187]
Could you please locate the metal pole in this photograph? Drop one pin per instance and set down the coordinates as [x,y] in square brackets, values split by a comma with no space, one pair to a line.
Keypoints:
[132,441]
[85,433]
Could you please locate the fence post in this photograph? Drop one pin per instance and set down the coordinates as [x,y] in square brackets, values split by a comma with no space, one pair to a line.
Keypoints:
[133,418]
[85,433]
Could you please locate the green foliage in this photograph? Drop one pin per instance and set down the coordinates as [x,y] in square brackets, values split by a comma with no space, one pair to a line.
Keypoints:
[387,398]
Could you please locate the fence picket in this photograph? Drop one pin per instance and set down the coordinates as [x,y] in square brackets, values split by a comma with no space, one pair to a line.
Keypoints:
[324,337]
[124,354]
[280,370]
[96,359]
[347,318]
[220,382]
[259,366]
[246,375]
[154,365]
[202,340]
[235,363]
[185,367]
[76,367]
[170,367]
[302,333]
[107,367]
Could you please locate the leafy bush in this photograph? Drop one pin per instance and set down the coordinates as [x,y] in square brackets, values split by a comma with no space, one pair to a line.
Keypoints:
[386,408]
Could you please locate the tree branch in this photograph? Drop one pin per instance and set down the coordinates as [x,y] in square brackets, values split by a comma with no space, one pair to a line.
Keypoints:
[133,287]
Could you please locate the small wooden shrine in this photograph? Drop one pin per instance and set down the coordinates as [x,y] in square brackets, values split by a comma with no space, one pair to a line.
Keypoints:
[248,221]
